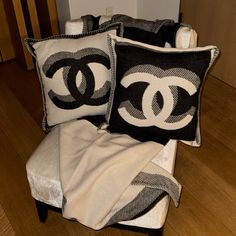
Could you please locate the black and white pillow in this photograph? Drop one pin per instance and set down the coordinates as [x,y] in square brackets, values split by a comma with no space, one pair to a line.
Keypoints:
[158,32]
[155,91]
[74,72]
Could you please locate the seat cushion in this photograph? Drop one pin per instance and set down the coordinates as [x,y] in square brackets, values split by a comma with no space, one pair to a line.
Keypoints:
[44,180]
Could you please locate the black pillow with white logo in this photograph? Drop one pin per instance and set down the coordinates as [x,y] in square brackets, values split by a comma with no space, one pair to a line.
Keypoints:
[155,91]
[157,32]
[74,72]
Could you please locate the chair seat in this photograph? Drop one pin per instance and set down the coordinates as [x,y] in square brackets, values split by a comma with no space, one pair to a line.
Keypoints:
[43,171]
[44,180]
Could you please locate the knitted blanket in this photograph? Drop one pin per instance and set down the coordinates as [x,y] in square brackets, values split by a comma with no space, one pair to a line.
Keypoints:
[107,178]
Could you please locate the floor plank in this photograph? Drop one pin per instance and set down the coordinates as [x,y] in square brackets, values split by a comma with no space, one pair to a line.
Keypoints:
[210,192]
[17,124]
[5,226]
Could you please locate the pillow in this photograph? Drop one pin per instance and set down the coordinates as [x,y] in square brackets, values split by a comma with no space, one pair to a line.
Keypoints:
[158,32]
[90,22]
[74,72]
[155,91]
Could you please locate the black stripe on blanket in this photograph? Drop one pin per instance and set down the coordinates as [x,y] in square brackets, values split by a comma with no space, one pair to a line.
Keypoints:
[160,182]
[156,187]
[146,197]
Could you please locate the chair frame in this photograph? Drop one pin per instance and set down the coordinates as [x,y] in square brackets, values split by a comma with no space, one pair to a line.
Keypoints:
[43,208]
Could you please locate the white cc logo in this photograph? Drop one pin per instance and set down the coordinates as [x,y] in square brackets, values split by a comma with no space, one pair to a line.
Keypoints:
[165,82]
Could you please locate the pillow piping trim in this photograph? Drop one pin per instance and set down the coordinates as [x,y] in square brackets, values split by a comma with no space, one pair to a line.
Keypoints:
[117,26]
[197,141]
[44,124]
[113,78]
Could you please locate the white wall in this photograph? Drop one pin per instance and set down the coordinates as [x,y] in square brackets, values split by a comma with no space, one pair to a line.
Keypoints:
[145,9]
[98,7]
[158,9]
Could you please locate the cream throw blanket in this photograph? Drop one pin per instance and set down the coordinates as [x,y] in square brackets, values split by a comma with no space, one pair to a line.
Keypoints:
[107,178]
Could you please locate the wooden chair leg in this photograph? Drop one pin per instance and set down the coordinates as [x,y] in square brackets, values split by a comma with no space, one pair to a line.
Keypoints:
[150,232]
[155,232]
[42,210]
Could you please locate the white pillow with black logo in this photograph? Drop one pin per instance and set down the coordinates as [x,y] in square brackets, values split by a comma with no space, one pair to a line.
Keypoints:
[155,91]
[74,72]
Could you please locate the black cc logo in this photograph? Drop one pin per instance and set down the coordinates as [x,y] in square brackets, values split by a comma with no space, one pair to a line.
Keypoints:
[72,63]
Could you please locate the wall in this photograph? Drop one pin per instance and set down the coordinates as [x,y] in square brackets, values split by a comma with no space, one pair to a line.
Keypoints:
[99,7]
[158,9]
[146,9]
[215,23]
[73,9]
[21,19]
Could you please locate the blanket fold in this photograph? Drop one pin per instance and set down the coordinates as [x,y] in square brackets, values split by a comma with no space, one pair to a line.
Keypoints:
[107,178]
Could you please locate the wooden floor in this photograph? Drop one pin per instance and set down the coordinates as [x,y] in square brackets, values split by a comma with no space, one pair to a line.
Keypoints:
[208,174]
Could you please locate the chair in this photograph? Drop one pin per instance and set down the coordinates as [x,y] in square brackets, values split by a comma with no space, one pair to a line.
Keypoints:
[43,165]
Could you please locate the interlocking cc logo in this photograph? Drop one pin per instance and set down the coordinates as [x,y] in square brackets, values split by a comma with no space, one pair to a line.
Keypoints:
[166,83]
[72,64]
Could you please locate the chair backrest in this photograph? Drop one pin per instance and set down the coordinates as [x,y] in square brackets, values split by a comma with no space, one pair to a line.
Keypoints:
[186,37]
